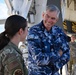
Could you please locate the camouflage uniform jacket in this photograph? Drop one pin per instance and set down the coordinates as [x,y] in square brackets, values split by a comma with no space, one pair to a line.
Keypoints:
[43,50]
[11,61]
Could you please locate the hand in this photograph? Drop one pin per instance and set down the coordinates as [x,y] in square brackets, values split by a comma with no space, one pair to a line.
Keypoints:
[60,52]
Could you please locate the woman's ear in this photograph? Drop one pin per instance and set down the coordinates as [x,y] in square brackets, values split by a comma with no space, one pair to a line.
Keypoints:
[20,31]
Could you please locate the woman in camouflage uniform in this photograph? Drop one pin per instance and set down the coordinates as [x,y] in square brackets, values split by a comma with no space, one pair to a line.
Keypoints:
[11,61]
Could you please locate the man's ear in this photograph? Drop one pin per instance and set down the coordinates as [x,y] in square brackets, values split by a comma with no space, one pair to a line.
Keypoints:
[43,14]
[57,19]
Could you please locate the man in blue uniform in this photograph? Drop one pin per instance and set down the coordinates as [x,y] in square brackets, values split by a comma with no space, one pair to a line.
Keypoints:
[48,49]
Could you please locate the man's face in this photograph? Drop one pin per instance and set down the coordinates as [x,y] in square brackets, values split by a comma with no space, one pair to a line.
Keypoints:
[49,19]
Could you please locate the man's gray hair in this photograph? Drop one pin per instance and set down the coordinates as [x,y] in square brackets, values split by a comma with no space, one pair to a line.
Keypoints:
[53,8]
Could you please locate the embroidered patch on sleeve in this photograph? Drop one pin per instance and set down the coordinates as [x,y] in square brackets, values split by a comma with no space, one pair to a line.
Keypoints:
[18,72]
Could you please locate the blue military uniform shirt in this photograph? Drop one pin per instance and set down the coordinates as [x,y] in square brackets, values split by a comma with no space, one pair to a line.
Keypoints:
[43,50]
